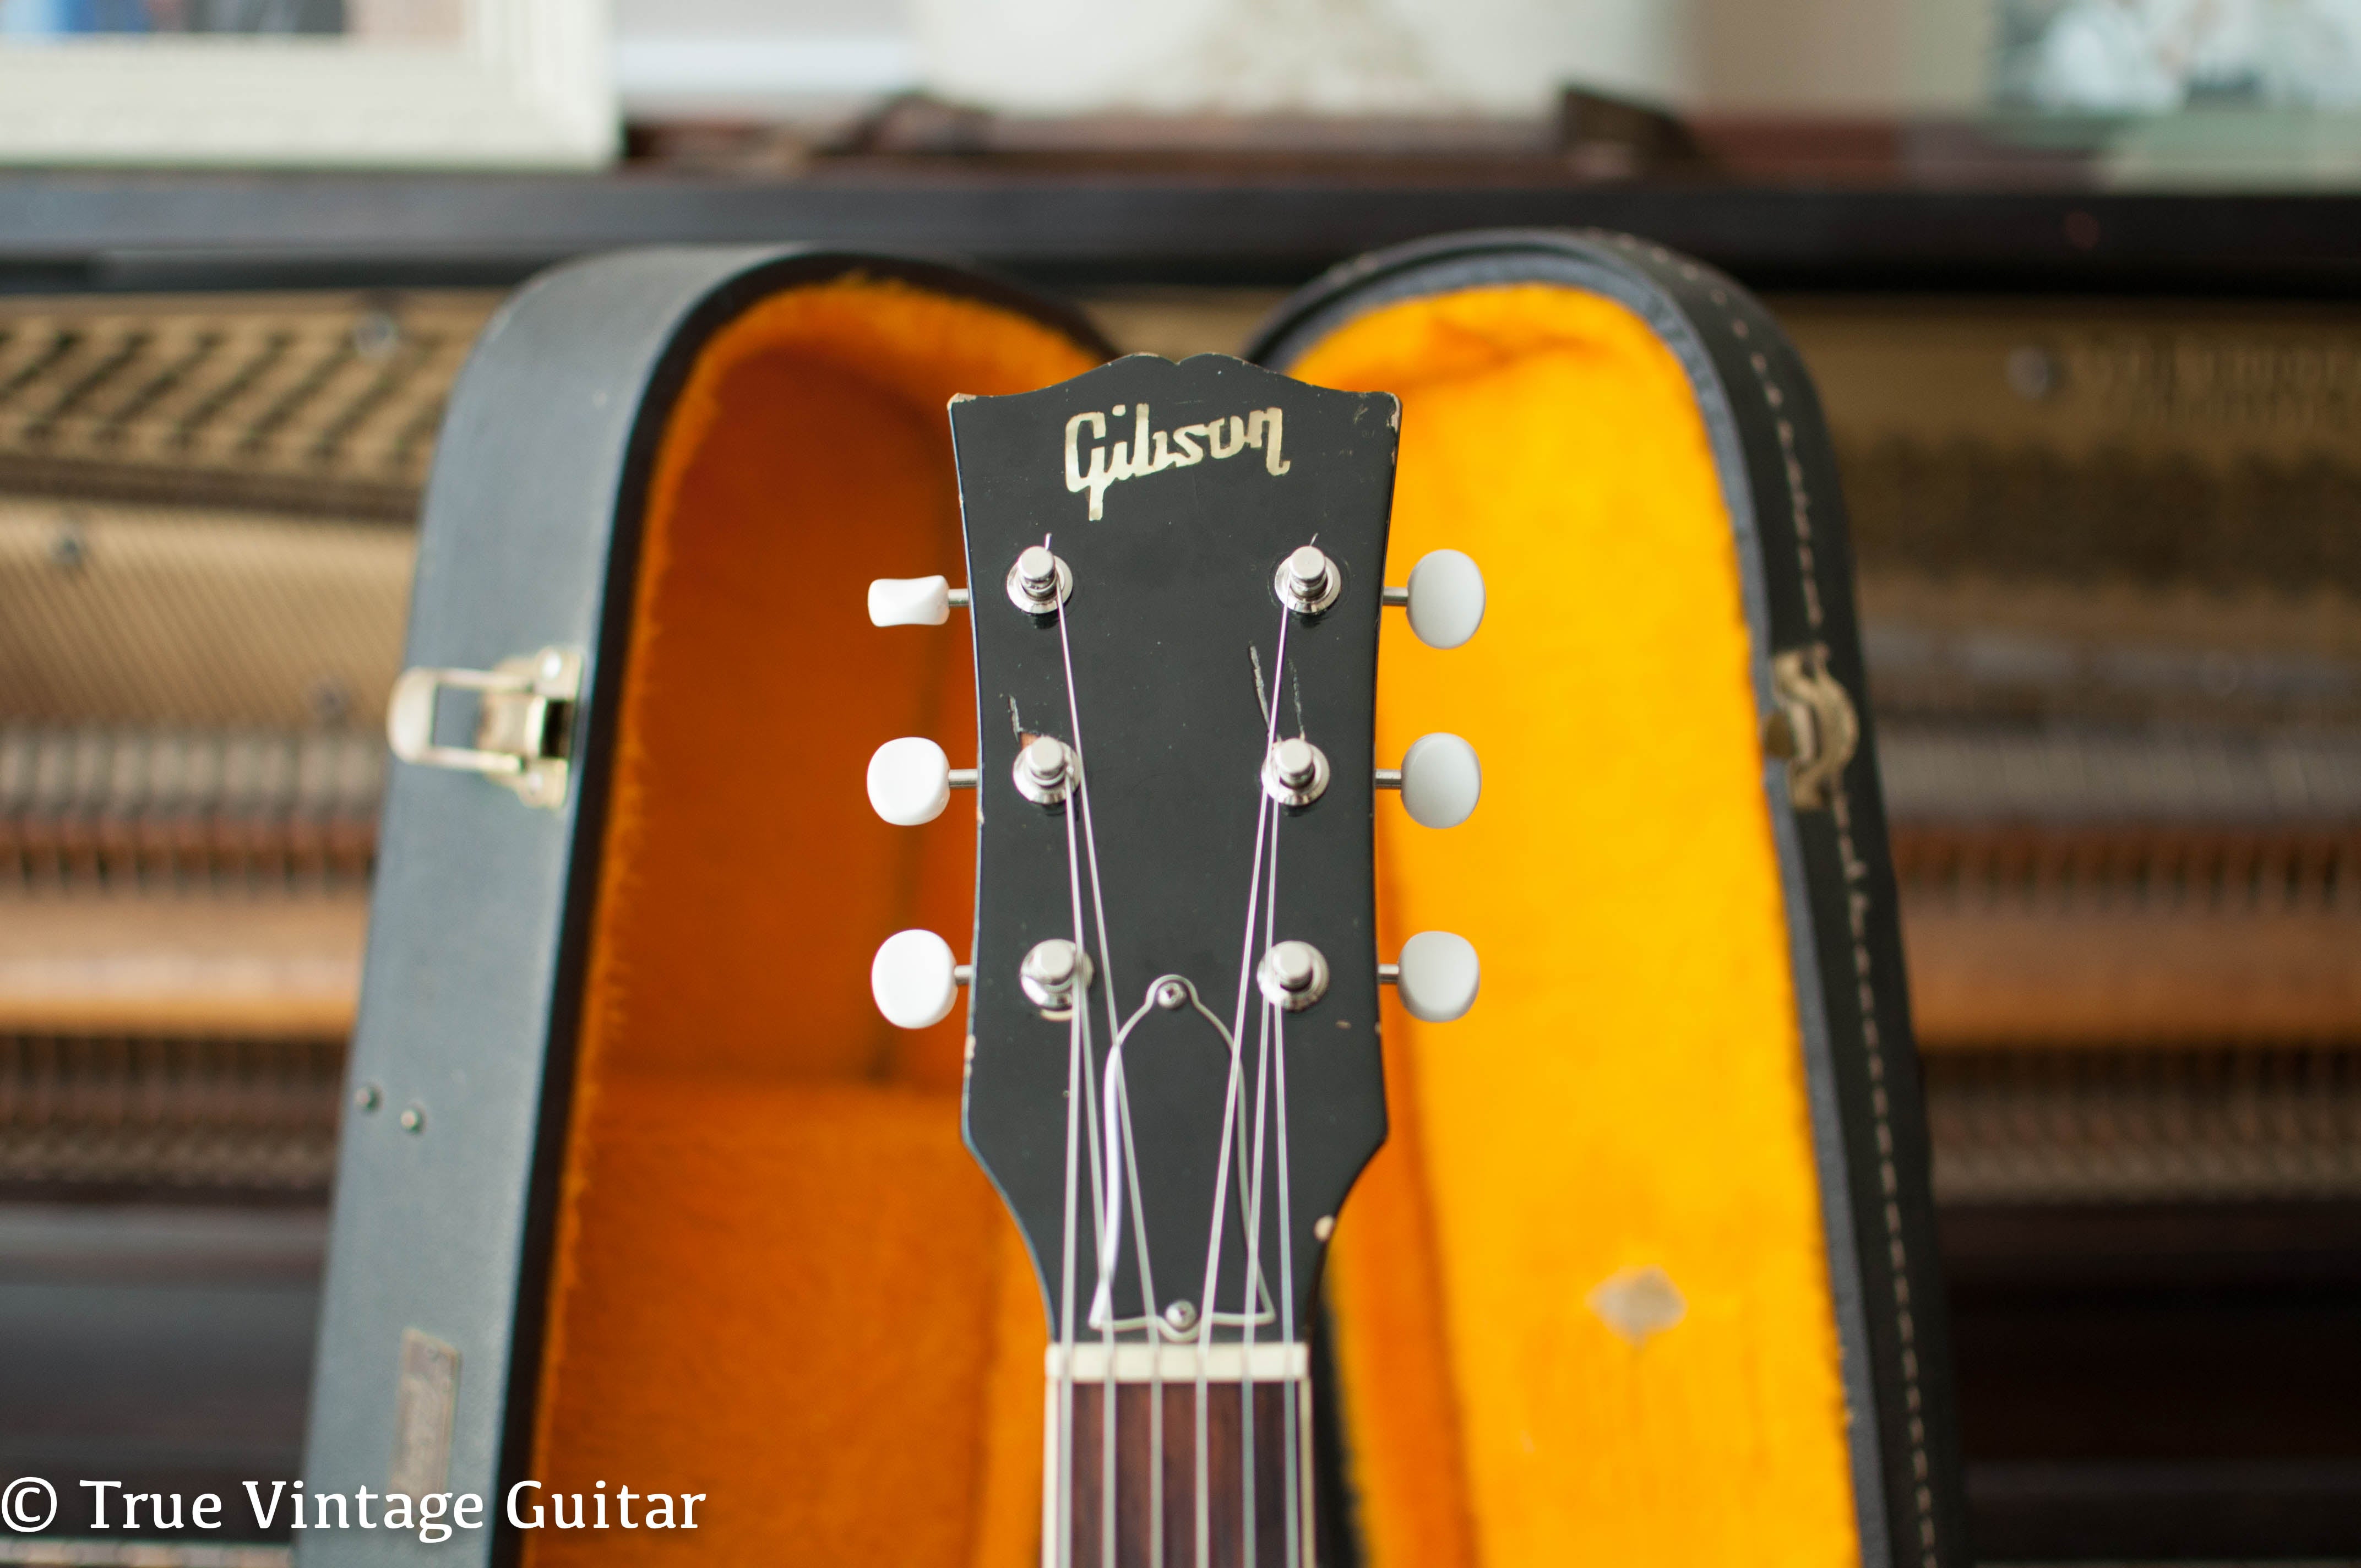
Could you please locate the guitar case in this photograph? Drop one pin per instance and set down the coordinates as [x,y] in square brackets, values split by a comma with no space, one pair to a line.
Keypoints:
[638,1190]
[1647,1271]
[635,1186]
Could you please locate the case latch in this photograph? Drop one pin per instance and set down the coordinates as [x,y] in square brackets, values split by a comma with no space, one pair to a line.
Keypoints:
[1814,726]
[523,723]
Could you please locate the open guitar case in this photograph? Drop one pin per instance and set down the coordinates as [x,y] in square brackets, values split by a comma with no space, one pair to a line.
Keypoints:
[638,1188]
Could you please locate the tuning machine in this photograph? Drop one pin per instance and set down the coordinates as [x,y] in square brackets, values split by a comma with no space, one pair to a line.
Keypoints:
[910,780]
[915,980]
[1440,780]
[913,601]
[1437,976]
[1444,597]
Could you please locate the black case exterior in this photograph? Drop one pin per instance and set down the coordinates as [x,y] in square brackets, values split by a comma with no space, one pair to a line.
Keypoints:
[482,905]
[1779,480]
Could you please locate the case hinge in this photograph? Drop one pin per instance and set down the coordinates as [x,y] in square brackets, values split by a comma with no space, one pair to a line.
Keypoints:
[1814,726]
[524,722]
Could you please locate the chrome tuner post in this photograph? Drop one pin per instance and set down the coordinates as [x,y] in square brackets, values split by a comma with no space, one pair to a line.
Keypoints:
[1292,976]
[1295,773]
[1308,582]
[1054,975]
[1444,597]
[1040,582]
[1045,771]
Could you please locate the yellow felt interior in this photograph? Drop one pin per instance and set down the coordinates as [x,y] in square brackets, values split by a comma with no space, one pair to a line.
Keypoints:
[779,1278]
[1628,1092]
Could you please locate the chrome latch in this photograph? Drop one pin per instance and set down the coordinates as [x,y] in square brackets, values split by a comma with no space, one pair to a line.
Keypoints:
[1813,727]
[524,722]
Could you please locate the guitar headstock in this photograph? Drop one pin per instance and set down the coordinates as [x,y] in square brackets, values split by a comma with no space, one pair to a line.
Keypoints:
[1173,1071]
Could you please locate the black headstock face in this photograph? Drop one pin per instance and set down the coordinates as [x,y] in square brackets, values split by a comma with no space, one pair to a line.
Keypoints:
[1173,498]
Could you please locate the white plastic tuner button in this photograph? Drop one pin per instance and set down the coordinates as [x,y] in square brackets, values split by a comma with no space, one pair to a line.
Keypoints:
[1438,975]
[909,601]
[909,780]
[914,980]
[1441,780]
[1446,598]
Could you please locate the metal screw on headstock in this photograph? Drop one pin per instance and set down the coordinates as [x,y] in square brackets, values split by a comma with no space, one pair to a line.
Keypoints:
[1308,581]
[1053,973]
[1295,773]
[1181,1316]
[1040,582]
[1045,771]
[1292,976]
[1171,995]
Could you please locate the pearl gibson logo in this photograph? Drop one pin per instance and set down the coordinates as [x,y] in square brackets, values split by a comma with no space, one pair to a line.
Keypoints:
[1152,452]
[27,1505]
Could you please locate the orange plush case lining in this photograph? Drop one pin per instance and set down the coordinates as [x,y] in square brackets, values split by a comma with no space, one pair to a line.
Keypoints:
[1626,1104]
[779,1280]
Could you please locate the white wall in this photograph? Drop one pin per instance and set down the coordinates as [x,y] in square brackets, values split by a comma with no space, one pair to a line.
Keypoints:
[1322,56]
[1840,57]
[760,57]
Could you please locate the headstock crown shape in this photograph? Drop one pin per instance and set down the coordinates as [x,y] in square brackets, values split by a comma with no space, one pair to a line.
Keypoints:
[1173,1073]
[1174,498]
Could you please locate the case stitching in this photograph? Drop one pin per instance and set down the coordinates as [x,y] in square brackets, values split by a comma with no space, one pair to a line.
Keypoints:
[1857,910]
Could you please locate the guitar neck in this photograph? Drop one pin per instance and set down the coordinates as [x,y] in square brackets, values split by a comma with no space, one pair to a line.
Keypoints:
[1195,1482]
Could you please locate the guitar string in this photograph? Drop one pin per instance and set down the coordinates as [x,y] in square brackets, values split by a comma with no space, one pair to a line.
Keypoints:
[1103,1188]
[1119,1120]
[1154,1329]
[1249,1545]
[1157,1380]
[1057,1494]
[1274,1046]
[1264,810]
[1118,1115]
[1156,1354]
[1270,1052]
[1253,1197]
[1079,1025]
[1271,1059]
[1250,1542]
[1112,1222]
[1292,1387]
[1294,1437]
[1108,1186]
[1109,1208]
[1214,1242]
[1081,1136]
